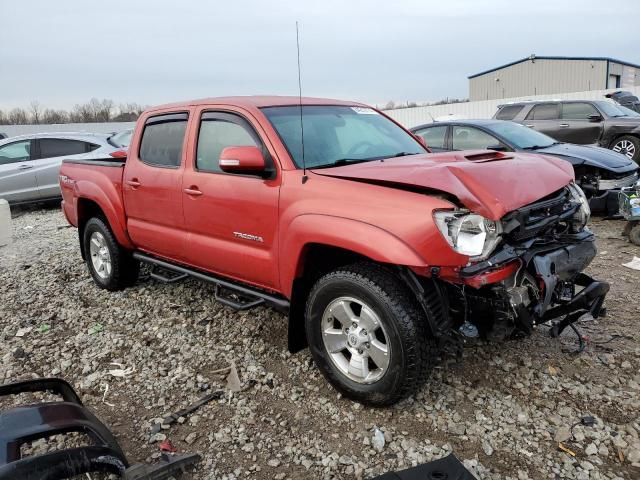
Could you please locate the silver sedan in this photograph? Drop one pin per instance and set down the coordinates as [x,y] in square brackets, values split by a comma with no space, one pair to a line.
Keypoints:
[29,164]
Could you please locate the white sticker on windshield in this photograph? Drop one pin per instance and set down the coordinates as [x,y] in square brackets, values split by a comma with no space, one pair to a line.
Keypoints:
[364,110]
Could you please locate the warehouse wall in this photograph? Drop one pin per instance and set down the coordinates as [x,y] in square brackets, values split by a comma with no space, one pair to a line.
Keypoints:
[539,78]
[411,117]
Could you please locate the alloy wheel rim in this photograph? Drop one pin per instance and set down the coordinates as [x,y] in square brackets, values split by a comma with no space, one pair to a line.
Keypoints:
[355,340]
[100,255]
[625,147]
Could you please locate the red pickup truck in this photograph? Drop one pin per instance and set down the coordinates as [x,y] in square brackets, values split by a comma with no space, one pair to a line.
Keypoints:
[383,254]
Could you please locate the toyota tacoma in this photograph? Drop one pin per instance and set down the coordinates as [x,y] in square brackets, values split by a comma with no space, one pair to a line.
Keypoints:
[384,255]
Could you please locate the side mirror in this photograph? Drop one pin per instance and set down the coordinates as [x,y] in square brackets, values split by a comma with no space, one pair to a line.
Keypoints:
[242,160]
[498,148]
[595,117]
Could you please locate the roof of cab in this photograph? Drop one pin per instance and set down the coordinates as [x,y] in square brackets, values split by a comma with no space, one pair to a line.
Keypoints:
[257,101]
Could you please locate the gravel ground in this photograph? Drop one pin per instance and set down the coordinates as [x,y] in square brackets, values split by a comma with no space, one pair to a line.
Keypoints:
[502,409]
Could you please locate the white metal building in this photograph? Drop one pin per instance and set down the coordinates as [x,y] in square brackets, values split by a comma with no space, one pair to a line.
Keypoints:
[546,75]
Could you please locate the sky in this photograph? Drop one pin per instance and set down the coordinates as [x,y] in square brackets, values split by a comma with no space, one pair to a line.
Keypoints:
[65,52]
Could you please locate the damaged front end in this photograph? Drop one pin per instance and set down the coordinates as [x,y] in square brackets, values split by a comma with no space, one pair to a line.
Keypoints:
[532,271]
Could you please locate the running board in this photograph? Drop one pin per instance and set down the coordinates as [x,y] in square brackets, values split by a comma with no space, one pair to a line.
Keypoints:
[162,277]
[234,295]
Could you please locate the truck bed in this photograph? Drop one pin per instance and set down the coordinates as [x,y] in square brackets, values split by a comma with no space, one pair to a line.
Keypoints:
[98,180]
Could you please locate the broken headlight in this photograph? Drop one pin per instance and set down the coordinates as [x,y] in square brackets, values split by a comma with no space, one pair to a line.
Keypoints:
[468,233]
[582,215]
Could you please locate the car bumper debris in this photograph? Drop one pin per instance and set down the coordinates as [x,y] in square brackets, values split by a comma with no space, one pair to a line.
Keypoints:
[27,423]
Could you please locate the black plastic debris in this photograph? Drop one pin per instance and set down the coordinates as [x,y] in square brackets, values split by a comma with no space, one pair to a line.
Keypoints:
[447,468]
[27,423]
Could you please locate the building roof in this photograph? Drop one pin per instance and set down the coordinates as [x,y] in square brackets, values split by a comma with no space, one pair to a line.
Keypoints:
[536,57]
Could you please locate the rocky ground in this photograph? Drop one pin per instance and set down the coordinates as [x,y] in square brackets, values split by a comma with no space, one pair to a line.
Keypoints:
[502,409]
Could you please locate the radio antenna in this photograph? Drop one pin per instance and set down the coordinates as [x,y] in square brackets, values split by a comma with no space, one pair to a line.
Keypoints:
[304,165]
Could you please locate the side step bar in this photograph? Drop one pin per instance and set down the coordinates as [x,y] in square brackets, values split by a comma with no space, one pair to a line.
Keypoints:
[247,297]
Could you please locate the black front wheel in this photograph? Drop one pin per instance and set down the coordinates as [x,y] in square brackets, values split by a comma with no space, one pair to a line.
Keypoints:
[111,266]
[368,335]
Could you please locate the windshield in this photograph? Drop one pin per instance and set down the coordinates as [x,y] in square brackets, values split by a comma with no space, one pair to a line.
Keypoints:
[121,140]
[612,110]
[520,136]
[335,135]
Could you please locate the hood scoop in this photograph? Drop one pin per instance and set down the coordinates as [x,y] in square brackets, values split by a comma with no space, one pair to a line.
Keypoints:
[488,156]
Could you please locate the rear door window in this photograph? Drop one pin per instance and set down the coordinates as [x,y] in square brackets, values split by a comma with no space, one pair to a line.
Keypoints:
[162,140]
[15,152]
[435,137]
[61,147]
[509,112]
[545,111]
[578,111]
[470,138]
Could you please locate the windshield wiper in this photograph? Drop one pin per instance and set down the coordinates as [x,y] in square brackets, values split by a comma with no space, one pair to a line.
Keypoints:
[342,161]
[350,161]
[403,154]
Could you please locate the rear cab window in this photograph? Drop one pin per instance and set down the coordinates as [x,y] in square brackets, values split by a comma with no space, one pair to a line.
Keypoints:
[545,111]
[163,139]
[509,112]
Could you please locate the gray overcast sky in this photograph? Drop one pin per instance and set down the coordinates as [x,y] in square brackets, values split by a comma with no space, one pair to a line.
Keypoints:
[154,51]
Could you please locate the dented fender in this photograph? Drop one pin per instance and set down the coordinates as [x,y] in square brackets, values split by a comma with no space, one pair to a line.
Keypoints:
[359,237]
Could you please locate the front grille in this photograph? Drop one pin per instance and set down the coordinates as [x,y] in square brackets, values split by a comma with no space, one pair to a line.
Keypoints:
[610,184]
[537,218]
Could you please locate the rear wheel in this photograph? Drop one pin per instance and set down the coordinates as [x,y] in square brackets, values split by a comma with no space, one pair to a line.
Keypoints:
[111,266]
[368,335]
[628,146]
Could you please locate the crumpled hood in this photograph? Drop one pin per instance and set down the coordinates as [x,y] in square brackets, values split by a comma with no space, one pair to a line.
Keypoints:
[486,182]
[593,156]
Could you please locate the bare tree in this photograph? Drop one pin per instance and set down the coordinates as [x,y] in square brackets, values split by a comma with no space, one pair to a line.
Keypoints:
[36,111]
[128,112]
[94,110]
[50,116]
[18,116]
[81,113]
[390,105]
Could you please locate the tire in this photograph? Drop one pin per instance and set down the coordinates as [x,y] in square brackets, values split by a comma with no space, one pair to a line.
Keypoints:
[627,145]
[376,297]
[111,266]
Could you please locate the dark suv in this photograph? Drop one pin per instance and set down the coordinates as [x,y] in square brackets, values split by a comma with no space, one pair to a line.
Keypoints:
[580,121]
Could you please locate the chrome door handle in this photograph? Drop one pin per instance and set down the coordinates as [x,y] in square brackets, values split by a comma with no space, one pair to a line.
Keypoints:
[133,183]
[193,191]
[25,167]
[564,125]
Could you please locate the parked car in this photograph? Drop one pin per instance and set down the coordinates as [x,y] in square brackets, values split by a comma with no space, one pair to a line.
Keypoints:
[121,139]
[625,99]
[599,172]
[379,251]
[29,164]
[585,122]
